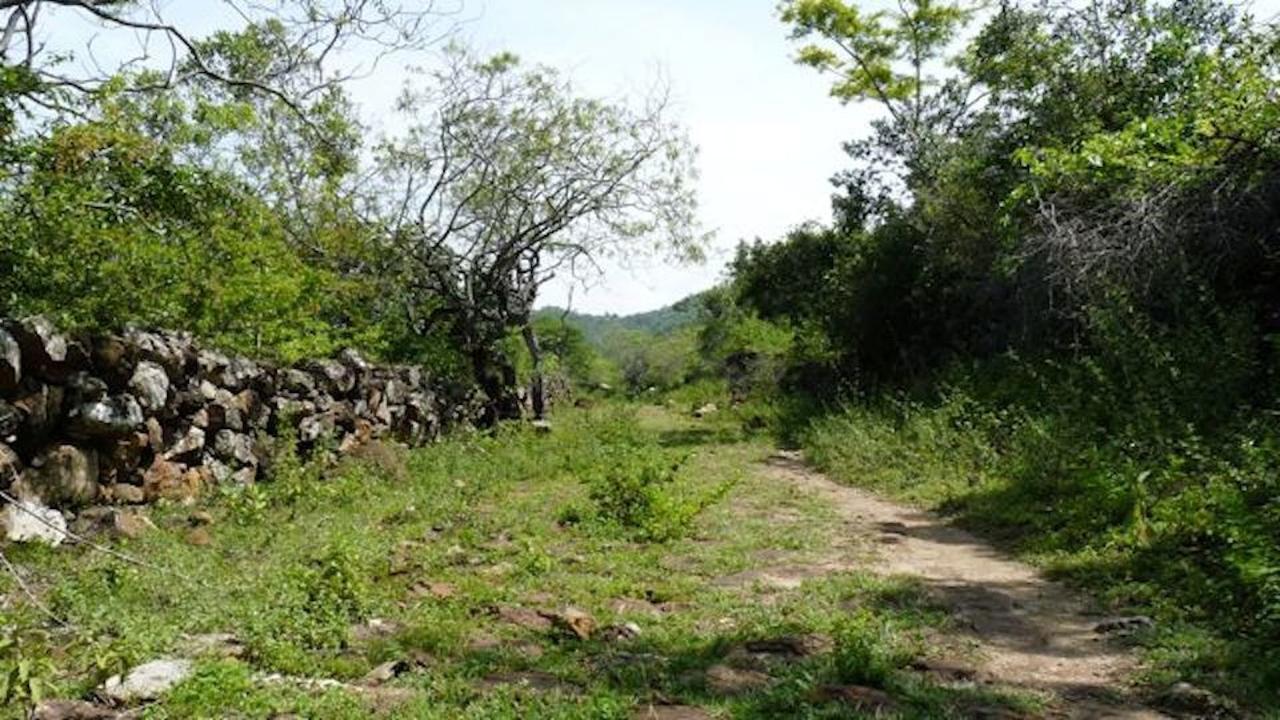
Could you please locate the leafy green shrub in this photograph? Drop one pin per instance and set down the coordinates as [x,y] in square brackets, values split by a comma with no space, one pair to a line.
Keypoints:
[313,610]
[635,492]
[25,672]
[634,485]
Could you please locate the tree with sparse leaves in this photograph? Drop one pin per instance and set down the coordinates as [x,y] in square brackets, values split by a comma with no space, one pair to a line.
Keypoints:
[508,179]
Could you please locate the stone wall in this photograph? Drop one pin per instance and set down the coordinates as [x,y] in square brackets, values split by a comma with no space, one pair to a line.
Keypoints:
[139,416]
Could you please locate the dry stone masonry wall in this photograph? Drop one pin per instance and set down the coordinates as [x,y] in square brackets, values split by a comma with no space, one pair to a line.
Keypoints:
[140,416]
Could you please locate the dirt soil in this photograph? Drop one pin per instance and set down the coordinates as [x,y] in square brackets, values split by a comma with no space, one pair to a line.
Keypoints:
[1030,632]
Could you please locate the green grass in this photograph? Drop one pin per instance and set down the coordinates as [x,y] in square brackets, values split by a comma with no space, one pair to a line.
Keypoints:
[1170,533]
[292,570]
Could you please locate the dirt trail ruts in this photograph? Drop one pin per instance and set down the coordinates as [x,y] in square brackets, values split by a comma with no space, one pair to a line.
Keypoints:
[1031,632]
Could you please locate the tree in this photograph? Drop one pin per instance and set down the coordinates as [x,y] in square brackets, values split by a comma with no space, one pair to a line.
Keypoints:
[222,161]
[311,37]
[887,57]
[506,179]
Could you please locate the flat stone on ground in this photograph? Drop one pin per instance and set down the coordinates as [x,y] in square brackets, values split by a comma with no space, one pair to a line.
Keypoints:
[147,681]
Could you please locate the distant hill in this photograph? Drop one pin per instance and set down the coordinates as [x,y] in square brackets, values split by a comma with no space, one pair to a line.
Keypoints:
[597,328]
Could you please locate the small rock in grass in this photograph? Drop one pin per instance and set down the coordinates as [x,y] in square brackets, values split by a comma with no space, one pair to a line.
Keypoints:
[223,645]
[29,521]
[147,682]
[524,617]
[200,518]
[1124,625]
[75,710]
[1187,698]
[671,712]
[199,537]
[530,680]
[866,699]
[483,643]
[574,622]
[501,569]
[385,672]
[374,629]
[437,590]
[796,646]
[725,680]
[631,606]
[130,524]
[620,633]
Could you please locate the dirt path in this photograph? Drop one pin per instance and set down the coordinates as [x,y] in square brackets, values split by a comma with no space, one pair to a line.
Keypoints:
[1030,632]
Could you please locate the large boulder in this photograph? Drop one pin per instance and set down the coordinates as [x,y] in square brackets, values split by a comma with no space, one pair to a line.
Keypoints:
[10,363]
[112,417]
[61,476]
[150,384]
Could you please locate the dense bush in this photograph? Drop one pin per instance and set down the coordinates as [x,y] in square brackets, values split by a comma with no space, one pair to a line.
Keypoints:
[635,487]
[1048,300]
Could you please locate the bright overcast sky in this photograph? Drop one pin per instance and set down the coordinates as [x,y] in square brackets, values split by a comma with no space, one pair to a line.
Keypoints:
[768,132]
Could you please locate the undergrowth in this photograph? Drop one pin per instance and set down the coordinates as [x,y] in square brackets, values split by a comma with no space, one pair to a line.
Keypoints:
[331,579]
[1129,472]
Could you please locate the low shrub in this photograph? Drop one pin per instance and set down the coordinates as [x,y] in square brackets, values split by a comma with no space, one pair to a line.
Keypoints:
[635,487]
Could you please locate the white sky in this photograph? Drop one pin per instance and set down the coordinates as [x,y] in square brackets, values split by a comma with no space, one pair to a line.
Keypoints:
[769,134]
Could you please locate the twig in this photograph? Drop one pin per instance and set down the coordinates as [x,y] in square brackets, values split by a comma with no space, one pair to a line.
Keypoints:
[80,539]
[31,595]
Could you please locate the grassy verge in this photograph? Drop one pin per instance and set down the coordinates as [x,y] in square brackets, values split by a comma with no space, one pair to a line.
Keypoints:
[420,556]
[1179,527]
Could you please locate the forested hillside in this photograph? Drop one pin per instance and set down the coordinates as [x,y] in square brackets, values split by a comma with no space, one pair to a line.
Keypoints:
[597,329]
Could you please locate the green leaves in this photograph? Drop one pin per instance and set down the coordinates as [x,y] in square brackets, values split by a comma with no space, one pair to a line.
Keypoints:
[879,56]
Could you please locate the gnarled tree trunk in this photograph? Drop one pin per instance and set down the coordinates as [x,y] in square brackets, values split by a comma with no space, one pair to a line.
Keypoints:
[538,391]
